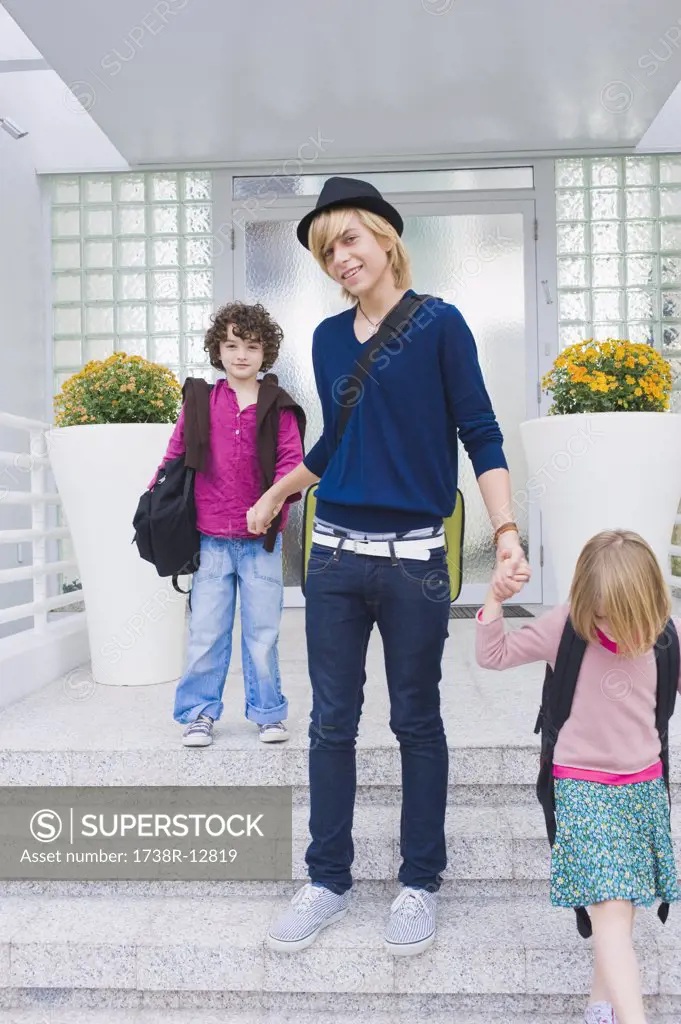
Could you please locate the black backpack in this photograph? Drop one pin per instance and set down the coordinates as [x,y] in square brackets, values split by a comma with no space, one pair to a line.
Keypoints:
[165,523]
[165,520]
[557,697]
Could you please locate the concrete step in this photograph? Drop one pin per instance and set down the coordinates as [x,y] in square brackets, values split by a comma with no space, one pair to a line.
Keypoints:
[116,736]
[283,765]
[35,1006]
[483,844]
[382,890]
[255,765]
[277,1016]
[193,948]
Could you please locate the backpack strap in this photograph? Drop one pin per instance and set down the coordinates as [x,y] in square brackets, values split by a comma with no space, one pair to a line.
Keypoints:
[557,697]
[396,322]
[196,400]
[667,658]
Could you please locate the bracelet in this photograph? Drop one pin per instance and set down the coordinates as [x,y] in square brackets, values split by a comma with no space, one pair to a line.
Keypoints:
[504,528]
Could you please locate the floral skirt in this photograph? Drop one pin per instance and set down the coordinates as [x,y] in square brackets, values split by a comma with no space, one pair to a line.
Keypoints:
[613,843]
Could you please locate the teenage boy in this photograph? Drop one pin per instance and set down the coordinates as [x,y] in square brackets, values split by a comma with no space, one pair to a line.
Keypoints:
[378,555]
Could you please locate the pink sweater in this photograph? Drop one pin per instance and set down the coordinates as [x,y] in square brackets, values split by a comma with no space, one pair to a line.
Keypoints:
[231,482]
[612,724]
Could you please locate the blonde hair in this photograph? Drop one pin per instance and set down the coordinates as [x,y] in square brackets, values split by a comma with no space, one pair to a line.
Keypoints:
[618,576]
[330,224]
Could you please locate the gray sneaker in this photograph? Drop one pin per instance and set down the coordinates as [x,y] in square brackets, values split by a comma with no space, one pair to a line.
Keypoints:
[600,1013]
[313,908]
[411,928]
[199,733]
[273,732]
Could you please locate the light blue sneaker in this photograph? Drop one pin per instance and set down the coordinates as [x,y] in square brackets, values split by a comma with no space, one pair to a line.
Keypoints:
[411,928]
[313,908]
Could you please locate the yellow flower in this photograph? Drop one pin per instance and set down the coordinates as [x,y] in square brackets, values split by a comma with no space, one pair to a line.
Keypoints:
[638,392]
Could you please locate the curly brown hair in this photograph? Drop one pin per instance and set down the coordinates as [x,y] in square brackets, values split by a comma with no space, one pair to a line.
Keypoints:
[253,322]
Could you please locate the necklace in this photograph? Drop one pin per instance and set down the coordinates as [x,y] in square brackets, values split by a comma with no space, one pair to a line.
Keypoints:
[374,326]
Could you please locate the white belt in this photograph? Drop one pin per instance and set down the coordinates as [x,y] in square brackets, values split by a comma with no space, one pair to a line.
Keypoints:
[419,549]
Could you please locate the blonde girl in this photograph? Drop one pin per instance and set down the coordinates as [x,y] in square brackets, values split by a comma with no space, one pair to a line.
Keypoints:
[613,851]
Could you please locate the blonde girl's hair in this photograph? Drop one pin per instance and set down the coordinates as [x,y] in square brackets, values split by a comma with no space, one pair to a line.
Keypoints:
[618,579]
[330,224]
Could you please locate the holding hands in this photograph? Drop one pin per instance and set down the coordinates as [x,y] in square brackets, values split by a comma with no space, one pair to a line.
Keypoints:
[512,570]
[263,512]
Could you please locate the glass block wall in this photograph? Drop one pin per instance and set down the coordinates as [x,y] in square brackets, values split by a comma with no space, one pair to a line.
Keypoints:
[132,269]
[619,251]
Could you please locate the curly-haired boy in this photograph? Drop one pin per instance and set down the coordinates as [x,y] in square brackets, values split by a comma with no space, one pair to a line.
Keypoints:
[248,416]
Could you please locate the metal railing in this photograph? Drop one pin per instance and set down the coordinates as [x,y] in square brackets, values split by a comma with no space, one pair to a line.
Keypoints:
[19,470]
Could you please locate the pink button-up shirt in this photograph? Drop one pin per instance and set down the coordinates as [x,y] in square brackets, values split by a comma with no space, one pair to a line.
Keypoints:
[230,483]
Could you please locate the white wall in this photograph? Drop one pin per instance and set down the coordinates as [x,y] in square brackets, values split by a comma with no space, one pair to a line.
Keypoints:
[22,335]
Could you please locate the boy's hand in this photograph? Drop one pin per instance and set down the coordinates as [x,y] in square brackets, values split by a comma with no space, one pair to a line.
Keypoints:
[260,516]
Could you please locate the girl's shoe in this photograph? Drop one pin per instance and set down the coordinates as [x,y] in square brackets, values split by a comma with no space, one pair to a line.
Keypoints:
[600,1013]
[273,732]
[199,733]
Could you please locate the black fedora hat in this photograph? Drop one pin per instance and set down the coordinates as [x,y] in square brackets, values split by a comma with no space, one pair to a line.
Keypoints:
[349,192]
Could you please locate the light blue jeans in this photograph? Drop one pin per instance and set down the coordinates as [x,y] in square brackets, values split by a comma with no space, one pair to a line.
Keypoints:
[224,565]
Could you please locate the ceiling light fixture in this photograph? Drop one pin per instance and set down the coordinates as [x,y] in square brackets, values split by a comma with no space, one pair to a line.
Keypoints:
[11,128]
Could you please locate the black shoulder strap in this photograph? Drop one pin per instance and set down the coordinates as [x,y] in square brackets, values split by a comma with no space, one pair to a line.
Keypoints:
[397,321]
[667,658]
[557,697]
[559,692]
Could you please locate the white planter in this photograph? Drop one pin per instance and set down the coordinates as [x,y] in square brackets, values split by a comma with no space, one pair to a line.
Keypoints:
[135,619]
[598,471]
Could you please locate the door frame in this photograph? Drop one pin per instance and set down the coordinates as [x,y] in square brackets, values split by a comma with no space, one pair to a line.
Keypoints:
[448,204]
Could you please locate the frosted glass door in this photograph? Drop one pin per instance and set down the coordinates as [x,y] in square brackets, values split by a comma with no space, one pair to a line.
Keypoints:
[475,256]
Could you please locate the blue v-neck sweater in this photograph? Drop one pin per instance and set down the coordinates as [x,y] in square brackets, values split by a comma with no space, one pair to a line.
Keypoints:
[396,468]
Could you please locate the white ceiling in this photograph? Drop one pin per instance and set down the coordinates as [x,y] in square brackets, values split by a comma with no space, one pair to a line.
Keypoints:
[14,44]
[61,135]
[665,131]
[192,81]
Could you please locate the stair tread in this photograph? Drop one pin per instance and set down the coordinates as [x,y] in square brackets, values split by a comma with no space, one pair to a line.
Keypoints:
[273,1016]
[482,709]
[242,921]
[197,1016]
[200,946]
